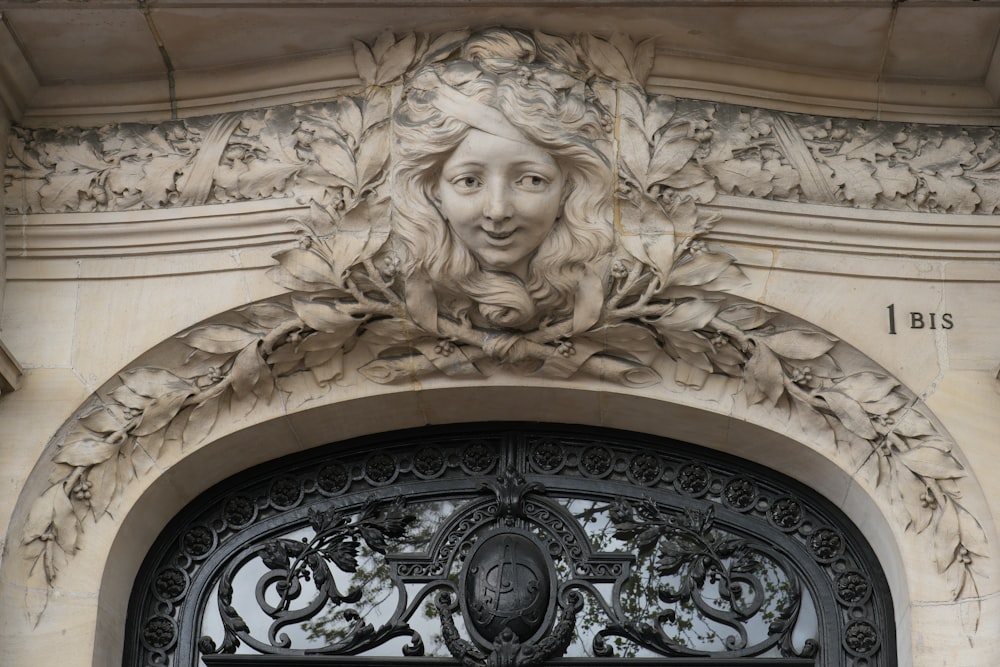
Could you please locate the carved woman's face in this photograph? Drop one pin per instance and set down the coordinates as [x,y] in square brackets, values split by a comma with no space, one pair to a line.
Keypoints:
[501,197]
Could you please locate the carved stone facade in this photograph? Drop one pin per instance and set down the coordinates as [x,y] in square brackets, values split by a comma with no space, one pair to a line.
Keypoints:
[512,225]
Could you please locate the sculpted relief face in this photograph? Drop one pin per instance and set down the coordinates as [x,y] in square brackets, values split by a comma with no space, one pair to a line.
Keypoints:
[501,197]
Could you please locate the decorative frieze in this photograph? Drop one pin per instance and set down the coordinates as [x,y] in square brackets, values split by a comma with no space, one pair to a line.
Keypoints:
[298,151]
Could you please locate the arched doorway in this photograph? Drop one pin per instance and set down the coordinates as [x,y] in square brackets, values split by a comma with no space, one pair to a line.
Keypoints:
[510,544]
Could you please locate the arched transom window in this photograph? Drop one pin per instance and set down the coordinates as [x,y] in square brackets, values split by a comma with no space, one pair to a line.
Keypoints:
[509,545]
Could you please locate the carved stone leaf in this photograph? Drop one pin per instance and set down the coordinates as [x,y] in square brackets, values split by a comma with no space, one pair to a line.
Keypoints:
[888,405]
[104,419]
[246,371]
[931,462]
[731,278]
[606,58]
[159,178]
[945,156]
[798,344]
[104,478]
[867,387]
[62,191]
[913,424]
[160,411]
[855,180]
[953,194]
[219,338]
[786,181]
[200,422]
[40,515]
[630,340]
[815,425]
[686,316]
[973,535]
[946,537]
[128,398]
[324,315]
[765,379]
[895,180]
[745,177]
[850,414]
[988,190]
[908,489]
[698,269]
[85,452]
[869,142]
[310,267]
[389,331]
[365,62]
[445,44]
[153,382]
[267,314]
[264,178]
[669,156]
[373,156]
[337,160]
[635,153]
[748,316]
[326,365]
[395,60]
[64,522]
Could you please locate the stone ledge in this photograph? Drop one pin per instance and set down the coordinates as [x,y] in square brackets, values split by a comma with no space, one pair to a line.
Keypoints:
[10,371]
[808,227]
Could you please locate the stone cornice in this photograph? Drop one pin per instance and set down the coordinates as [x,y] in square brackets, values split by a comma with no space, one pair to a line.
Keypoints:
[808,237]
[17,82]
[321,76]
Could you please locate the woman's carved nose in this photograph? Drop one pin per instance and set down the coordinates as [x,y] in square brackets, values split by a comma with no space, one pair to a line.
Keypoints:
[498,206]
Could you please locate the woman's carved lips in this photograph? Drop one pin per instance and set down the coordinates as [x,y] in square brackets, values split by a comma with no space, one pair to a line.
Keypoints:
[499,236]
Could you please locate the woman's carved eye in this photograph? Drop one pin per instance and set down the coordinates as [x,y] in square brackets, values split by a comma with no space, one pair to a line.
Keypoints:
[466,183]
[532,181]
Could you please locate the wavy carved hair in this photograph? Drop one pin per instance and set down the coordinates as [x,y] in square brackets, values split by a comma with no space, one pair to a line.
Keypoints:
[497,72]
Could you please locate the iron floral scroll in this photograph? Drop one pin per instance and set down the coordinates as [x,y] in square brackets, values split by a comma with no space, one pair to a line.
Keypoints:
[624,283]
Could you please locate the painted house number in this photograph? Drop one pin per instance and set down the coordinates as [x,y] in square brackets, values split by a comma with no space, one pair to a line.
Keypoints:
[920,320]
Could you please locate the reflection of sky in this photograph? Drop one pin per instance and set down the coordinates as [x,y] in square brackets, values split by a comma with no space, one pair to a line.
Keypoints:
[380,597]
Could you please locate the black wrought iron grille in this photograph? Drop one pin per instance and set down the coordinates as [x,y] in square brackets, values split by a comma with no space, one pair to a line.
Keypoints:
[505,545]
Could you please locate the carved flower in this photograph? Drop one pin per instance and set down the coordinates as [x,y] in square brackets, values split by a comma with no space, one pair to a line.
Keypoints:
[740,493]
[547,455]
[826,544]
[853,588]
[332,478]
[861,637]
[596,461]
[692,479]
[198,541]
[786,513]
[159,632]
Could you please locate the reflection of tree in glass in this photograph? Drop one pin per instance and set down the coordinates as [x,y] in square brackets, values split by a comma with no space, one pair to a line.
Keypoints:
[701,589]
[372,578]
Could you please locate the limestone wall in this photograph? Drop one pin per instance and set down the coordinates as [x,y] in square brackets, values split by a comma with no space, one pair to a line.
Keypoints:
[819,295]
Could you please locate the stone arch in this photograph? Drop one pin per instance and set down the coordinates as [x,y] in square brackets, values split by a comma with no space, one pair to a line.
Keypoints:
[713,417]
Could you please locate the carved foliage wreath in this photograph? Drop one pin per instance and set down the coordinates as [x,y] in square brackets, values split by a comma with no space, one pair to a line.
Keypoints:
[665,298]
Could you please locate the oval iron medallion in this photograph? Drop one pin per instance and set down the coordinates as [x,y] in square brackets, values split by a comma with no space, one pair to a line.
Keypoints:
[509,583]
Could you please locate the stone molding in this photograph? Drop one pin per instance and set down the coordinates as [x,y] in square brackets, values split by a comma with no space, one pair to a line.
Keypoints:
[642,291]
[10,371]
[894,238]
[324,75]
[17,82]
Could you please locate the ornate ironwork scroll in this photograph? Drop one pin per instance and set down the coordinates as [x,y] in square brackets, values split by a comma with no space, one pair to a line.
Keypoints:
[509,549]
